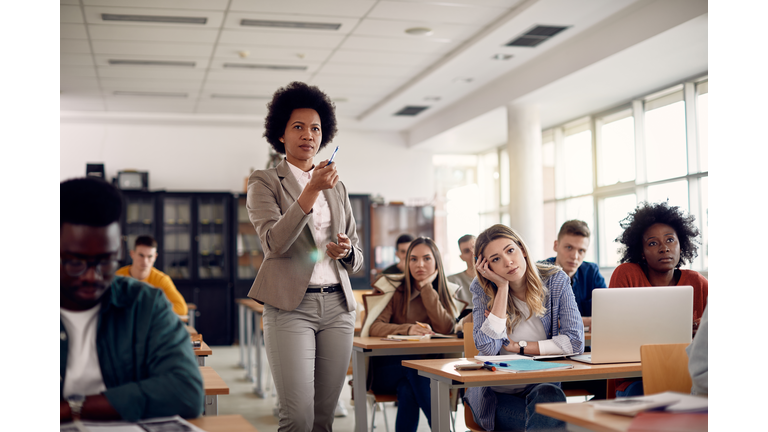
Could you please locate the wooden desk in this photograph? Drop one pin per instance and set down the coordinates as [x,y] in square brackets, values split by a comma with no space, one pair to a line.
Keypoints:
[582,416]
[249,313]
[227,423]
[213,386]
[364,347]
[444,377]
[191,330]
[203,352]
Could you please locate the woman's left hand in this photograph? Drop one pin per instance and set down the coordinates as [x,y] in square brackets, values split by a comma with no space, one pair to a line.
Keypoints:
[340,250]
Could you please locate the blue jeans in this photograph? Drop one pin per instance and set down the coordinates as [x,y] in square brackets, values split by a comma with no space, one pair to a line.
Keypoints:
[634,389]
[391,377]
[517,412]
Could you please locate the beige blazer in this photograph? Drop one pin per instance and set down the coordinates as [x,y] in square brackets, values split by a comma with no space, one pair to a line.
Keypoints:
[286,235]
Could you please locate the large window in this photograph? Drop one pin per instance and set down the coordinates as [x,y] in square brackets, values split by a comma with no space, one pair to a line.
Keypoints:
[651,149]
[599,167]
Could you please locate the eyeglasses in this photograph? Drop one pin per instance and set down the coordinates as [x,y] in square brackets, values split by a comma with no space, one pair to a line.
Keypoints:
[76,267]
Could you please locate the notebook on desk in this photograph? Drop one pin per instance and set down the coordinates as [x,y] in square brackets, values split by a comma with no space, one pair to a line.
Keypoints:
[623,319]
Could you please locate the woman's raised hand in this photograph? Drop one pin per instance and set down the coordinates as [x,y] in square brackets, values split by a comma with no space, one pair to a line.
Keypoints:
[324,176]
[482,267]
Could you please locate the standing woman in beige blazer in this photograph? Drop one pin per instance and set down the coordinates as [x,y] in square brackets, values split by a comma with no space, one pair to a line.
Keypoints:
[303,217]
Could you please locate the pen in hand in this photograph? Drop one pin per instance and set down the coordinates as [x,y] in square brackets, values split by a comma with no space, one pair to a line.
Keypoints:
[422,325]
[330,161]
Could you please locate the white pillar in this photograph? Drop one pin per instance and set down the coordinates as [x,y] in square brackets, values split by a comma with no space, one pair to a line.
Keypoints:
[526,212]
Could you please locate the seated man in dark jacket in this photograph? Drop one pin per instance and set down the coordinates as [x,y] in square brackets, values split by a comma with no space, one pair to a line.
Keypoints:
[124,354]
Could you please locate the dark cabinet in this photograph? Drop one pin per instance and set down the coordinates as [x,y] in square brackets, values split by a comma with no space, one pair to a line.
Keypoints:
[195,235]
[196,252]
[139,218]
[361,209]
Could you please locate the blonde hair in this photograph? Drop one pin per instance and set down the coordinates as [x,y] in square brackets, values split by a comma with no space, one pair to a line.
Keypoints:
[535,275]
[442,283]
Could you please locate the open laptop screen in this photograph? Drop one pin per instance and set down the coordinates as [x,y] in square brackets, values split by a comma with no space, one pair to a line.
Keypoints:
[623,319]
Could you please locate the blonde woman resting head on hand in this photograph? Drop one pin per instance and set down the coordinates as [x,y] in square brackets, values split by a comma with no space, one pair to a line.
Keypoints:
[519,307]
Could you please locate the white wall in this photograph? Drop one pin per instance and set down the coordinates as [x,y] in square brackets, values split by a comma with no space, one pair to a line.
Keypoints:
[184,156]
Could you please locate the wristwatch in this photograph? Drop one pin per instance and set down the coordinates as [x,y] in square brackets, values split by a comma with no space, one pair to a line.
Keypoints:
[522,344]
[75,405]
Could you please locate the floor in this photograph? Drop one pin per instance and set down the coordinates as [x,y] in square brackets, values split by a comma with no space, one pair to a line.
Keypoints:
[241,399]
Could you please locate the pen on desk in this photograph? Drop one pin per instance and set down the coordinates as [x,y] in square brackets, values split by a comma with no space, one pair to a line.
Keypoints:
[489,367]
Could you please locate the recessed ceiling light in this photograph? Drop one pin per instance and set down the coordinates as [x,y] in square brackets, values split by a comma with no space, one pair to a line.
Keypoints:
[263,66]
[154,18]
[151,94]
[502,57]
[290,24]
[237,96]
[113,62]
[419,31]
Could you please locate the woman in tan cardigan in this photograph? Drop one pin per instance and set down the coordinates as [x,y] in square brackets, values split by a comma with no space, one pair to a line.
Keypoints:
[420,304]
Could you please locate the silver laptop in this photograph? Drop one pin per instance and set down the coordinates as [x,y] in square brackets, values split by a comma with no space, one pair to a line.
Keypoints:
[623,319]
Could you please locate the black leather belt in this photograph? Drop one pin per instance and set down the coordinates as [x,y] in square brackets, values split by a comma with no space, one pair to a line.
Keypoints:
[325,289]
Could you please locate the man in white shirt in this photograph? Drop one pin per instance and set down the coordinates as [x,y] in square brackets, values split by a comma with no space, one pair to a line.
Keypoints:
[123,354]
[464,279]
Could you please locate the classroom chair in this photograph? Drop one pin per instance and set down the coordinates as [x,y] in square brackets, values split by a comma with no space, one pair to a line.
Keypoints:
[470,351]
[665,368]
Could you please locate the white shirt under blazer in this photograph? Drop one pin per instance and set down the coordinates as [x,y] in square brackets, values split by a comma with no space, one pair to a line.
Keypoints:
[288,238]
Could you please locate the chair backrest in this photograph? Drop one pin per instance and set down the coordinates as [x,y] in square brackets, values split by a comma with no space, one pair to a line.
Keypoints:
[470,350]
[665,368]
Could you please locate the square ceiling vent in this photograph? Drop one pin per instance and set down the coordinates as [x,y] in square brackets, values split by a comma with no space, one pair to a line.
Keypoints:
[410,110]
[536,36]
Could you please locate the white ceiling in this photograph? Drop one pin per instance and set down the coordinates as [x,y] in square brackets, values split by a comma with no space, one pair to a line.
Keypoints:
[369,66]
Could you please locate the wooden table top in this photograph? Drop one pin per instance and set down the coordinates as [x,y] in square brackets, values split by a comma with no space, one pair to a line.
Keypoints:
[191,330]
[212,382]
[223,423]
[191,306]
[251,304]
[184,318]
[584,415]
[378,343]
[587,335]
[445,368]
[204,350]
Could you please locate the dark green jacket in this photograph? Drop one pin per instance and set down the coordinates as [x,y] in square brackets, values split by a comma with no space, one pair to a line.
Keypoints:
[145,354]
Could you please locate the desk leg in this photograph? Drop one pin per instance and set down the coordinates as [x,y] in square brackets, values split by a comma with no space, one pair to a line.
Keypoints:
[360,375]
[441,406]
[249,344]
[259,390]
[211,405]
[241,333]
[201,360]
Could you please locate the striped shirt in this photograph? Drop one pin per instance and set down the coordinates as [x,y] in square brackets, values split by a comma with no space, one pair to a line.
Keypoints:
[568,336]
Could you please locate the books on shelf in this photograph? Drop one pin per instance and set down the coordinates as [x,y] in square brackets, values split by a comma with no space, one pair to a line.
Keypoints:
[669,401]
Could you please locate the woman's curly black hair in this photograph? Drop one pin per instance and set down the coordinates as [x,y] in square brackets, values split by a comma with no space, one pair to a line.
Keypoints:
[293,96]
[647,214]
